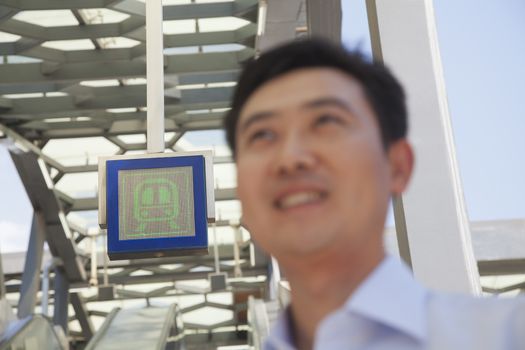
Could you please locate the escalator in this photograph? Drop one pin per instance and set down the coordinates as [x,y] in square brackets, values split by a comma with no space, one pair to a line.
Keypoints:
[155,328]
[152,328]
[34,332]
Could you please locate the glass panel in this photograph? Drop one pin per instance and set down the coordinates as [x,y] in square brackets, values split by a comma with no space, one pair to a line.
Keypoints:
[79,151]
[48,18]
[70,45]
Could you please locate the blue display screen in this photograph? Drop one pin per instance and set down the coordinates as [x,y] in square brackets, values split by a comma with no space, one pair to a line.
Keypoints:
[156,206]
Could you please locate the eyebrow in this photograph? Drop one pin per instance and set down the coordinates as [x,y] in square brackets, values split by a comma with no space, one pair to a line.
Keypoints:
[328,101]
[318,102]
[256,117]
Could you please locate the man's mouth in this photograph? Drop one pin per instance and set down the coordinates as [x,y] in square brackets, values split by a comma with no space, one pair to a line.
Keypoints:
[299,198]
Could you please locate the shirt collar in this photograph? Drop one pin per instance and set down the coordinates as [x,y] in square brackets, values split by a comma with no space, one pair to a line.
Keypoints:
[280,336]
[391,296]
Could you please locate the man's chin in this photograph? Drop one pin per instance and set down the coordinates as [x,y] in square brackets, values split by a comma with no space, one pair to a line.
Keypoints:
[300,247]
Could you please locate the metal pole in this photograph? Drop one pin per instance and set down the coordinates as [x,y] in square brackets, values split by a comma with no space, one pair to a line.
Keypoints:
[33,263]
[51,264]
[93,281]
[324,19]
[216,249]
[106,278]
[155,76]
[237,272]
[61,298]
[2,282]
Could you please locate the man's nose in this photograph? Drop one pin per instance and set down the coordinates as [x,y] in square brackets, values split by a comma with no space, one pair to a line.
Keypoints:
[295,155]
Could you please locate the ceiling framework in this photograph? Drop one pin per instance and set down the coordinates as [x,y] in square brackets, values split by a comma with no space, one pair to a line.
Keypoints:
[73,75]
[160,281]
[51,93]
[66,106]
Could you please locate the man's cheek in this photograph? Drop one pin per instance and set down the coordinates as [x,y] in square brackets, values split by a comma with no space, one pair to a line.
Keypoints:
[243,190]
[245,195]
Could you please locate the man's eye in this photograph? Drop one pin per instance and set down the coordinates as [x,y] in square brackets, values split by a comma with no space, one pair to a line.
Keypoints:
[259,135]
[325,119]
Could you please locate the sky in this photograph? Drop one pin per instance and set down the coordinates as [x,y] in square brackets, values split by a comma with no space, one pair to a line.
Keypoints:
[482,50]
[483,53]
[15,209]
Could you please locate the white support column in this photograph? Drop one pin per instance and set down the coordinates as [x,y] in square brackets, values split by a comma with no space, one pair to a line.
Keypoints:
[155,76]
[404,37]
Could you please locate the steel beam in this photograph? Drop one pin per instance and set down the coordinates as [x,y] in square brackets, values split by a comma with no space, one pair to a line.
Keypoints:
[103,98]
[498,267]
[198,78]
[282,20]
[116,128]
[436,220]
[123,128]
[181,265]
[46,203]
[29,88]
[94,31]
[61,299]
[21,28]
[94,167]
[97,31]
[213,340]
[33,265]
[124,279]
[30,146]
[196,10]
[176,64]
[2,280]
[32,5]
[157,278]
[6,12]
[210,77]
[82,315]
[324,19]
[171,12]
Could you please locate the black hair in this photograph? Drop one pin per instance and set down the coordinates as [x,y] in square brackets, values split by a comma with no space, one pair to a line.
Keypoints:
[385,94]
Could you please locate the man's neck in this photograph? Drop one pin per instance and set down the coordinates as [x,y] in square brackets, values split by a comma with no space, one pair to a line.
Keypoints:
[322,284]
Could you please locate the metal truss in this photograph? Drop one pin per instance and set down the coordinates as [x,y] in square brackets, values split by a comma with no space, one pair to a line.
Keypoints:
[64,105]
[126,278]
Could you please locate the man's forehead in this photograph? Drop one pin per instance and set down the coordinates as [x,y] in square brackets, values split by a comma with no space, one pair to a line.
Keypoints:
[302,88]
[319,102]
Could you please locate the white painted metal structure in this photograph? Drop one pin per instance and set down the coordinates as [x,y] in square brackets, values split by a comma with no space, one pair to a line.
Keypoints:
[155,76]
[404,36]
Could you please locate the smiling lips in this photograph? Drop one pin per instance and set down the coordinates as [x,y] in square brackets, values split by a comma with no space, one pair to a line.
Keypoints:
[299,198]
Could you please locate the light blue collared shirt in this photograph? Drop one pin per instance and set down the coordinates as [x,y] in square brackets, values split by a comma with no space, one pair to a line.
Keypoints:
[391,311]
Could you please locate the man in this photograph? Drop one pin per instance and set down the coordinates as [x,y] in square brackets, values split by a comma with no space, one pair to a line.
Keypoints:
[319,138]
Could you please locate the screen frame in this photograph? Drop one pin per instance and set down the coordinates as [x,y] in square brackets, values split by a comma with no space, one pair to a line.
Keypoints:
[159,246]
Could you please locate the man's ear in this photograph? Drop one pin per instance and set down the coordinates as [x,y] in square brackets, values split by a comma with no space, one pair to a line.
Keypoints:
[401,158]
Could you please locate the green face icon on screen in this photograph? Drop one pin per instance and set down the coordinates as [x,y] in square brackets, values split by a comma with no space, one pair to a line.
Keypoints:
[155,200]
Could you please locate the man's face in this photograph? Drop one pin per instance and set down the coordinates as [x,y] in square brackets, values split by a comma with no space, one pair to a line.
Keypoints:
[312,172]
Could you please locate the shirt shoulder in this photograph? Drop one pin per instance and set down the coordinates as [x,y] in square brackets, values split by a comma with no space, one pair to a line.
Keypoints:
[464,322]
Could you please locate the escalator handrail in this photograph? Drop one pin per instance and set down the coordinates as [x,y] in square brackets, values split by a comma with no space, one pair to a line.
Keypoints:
[103,329]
